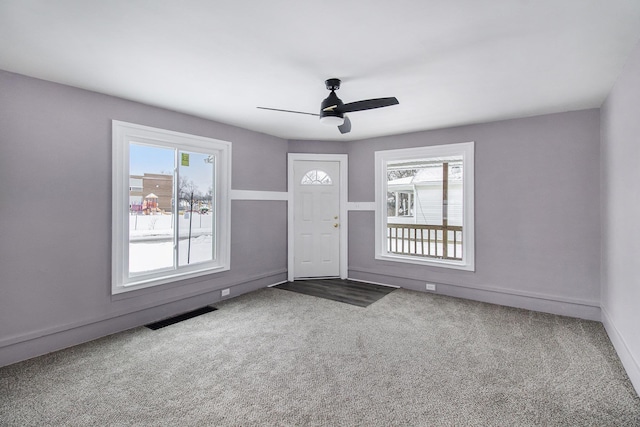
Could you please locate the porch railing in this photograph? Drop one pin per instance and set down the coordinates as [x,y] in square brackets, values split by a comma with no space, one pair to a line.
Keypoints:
[433,241]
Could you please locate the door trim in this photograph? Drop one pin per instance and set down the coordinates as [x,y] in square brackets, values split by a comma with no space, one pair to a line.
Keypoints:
[342,159]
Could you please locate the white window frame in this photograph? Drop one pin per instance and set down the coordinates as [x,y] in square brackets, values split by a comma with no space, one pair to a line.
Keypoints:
[123,135]
[466,150]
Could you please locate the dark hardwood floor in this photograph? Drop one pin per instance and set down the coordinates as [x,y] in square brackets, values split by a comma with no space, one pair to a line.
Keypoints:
[347,291]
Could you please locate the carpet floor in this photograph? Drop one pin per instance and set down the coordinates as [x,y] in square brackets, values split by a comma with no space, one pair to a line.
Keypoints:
[280,358]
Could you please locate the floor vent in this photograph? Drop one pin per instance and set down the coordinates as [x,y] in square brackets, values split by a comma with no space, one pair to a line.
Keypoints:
[180,318]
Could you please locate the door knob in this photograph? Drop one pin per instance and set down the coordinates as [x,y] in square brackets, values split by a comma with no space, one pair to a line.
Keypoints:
[335,225]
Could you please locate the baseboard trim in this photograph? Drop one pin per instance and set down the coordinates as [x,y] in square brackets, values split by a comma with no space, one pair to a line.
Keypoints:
[18,348]
[629,362]
[589,310]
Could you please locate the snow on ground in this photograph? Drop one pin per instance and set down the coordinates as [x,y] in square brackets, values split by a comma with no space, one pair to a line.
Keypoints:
[148,256]
[142,227]
[151,241]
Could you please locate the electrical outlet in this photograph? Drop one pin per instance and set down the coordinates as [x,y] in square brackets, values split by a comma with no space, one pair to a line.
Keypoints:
[431,286]
[225,292]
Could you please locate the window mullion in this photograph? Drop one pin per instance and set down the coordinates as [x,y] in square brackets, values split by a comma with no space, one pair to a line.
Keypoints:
[176,210]
[214,206]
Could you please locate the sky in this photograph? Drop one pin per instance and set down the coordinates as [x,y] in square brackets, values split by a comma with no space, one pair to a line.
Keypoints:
[144,158]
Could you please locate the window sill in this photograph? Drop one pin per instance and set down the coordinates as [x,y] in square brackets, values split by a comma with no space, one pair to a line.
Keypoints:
[135,285]
[452,264]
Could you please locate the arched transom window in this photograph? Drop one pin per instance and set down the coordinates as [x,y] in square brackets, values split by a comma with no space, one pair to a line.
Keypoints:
[316,177]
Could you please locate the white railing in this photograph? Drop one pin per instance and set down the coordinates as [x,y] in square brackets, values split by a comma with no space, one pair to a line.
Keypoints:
[434,241]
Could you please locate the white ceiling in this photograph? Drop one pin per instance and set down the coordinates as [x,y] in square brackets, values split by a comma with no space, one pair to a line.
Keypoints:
[449,62]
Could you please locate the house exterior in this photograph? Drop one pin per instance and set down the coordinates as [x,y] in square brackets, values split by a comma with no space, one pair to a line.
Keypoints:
[418,199]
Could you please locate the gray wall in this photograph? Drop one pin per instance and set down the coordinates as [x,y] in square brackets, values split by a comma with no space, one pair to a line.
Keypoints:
[621,214]
[55,217]
[537,221]
[318,147]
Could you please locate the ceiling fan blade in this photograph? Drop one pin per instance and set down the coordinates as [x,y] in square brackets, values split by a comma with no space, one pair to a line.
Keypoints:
[367,104]
[288,111]
[346,126]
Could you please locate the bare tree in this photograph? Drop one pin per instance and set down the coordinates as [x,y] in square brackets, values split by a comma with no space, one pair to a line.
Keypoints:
[187,190]
[400,173]
[152,222]
[189,193]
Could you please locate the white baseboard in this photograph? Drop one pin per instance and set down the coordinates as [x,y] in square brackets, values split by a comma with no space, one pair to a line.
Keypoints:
[631,365]
[589,310]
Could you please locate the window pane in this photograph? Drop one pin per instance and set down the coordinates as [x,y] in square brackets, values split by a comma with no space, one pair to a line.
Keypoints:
[150,212]
[316,177]
[196,207]
[425,207]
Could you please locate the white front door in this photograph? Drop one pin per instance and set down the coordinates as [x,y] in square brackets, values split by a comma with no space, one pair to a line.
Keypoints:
[316,218]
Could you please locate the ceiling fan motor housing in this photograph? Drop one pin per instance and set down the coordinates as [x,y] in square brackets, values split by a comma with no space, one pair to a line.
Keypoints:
[331,101]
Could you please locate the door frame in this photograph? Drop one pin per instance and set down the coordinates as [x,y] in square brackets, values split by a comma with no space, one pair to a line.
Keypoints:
[343,160]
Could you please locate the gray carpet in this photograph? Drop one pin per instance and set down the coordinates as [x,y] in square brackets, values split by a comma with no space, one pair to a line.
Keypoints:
[274,357]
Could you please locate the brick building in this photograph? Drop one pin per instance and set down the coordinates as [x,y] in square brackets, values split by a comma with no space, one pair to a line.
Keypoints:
[140,186]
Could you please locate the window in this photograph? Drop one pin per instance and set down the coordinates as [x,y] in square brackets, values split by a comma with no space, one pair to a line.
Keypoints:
[316,177]
[170,206]
[424,205]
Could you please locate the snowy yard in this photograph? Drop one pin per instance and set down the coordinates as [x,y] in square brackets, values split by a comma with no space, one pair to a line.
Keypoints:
[151,241]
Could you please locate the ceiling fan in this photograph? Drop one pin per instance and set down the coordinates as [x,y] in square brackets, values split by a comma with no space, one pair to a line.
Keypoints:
[333,110]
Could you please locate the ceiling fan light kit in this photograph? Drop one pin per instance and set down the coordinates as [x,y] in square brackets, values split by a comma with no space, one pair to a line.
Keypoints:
[331,120]
[332,109]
